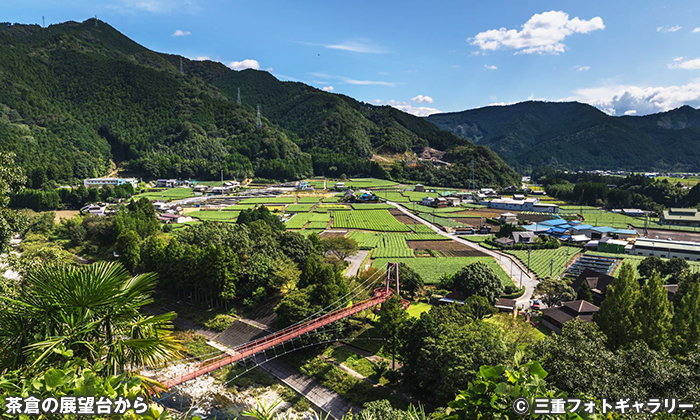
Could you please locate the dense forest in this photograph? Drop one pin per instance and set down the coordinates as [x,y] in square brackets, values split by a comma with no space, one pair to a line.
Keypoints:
[79,98]
[572,135]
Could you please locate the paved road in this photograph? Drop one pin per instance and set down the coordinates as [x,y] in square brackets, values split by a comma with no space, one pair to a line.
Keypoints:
[355,263]
[520,275]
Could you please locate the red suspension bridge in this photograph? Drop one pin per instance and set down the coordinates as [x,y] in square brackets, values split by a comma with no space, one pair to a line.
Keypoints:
[248,350]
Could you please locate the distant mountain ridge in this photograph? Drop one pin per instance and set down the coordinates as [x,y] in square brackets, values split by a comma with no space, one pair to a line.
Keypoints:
[579,136]
[75,98]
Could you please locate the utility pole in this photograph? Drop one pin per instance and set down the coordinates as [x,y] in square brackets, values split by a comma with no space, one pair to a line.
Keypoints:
[95,21]
[181,69]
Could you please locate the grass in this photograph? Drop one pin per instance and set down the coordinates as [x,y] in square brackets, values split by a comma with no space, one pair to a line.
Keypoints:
[166,194]
[540,260]
[476,238]
[354,361]
[195,344]
[310,199]
[369,183]
[430,269]
[394,196]
[240,207]
[417,308]
[216,216]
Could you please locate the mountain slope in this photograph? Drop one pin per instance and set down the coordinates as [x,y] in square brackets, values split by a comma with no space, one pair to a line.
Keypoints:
[579,136]
[78,97]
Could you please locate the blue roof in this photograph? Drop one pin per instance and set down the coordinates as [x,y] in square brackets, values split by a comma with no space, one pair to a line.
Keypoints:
[537,228]
[625,231]
[604,229]
[554,222]
[559,230]
[574,222]
[582,227]
[565,237]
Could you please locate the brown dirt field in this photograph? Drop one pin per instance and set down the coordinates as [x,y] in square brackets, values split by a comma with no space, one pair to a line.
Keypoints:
[534,217]
[65,214]
[447,248]
[494,213]
[398,215]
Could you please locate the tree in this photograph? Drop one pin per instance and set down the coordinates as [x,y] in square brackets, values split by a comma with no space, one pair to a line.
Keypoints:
[478,279]
[553,292]
[675,268]
[478,308]
[92,311]
[339,246]
[411,282]
[650,264]
[507,229]
[128,248]
[12,179]
[616,317]
[391,319]
[584,292]
[653,314]
[295,306]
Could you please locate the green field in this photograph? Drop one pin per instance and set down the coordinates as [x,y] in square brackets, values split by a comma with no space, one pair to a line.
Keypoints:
[166,194]
[372,206]
[368,183]
[477,238]
[310,199]
[442,221]
[636,259]
[418,196]
[394,196]
[430,269]
[217,216]
[420,228]
[299,207]
[426,209]
[540,260]
[379,220]
[270,200]
[417,308]
[319,220]
[392,246]
[239,207]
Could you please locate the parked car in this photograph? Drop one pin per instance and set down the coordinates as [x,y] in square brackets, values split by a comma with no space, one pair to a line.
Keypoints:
[535,304]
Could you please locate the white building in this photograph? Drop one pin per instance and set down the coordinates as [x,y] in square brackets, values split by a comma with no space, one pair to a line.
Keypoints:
[98,182]
[528,204]
[666,249]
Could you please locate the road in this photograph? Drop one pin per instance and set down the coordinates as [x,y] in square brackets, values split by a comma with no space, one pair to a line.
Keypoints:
[355,263]
[519,274]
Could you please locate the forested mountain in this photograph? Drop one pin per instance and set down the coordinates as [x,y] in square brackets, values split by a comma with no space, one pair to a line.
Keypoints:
[76,98]
[579,136]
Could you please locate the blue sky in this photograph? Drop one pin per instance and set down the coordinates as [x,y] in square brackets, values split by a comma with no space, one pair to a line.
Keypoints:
[623,56]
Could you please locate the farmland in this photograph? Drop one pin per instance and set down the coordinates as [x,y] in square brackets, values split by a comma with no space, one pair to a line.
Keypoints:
[540,260]
[372,206]
[299,207]
[215,216]
[392,246]
[430,269]
[378,220]
[270,200]
[634,260]
[319,220]
[167,194]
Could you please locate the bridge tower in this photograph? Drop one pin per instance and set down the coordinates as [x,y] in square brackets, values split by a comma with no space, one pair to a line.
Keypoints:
[392,268]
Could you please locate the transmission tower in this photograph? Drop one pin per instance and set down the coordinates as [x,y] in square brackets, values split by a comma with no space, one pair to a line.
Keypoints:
[95,21]
[181,70]
[238,100]
[43,22]
[258,120]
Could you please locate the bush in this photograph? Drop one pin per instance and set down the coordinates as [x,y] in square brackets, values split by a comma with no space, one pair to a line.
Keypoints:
[220,322]
[515,294]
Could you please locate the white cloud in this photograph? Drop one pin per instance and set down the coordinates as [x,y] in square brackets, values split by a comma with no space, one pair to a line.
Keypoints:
[696,30]
[668,28]
[542,34]
[419,111]
[487,67]
[582,68]
[617,100]
[180,32]
[422,99]
[367,82]
[245,64]
[362,46]
[678,63]
[631,112]
[328,89]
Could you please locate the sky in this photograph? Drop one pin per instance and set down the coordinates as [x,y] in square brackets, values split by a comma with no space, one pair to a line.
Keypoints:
[632,57]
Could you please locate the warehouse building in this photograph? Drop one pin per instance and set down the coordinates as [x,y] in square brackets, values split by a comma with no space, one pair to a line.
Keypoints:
[528,204]
[666,249]
[680,217]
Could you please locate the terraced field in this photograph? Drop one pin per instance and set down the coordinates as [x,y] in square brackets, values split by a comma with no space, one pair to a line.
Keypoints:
[319,220]
[215,216]
[270,200]
[392,246]
[430,269]
[378,220]
[540,260]
[299,207]
[167,194]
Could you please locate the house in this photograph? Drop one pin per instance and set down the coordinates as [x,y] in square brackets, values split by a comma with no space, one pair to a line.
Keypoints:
[453,201]
[555,318]
[220,190]
[505,241]
[200,188]
[518,196]
[579,239]
[527,204]
[166,183]
[427,201]
[506,305]
[440,202]
[671,290]
[508,218]
[633,212]
[597,282]
[524,237]
[419,188]
[98,182]
[96,209]
[339,186]
[680,217]
[613,246]
[173,218]
[661,248]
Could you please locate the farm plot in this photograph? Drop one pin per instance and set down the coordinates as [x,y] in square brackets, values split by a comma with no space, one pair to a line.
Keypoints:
[366,240]
[393,196]
[392,246]
[323,208]
[168,194]
[422,208]
[379,220]
[634,260]
[270,200]
[418,196]
[430,269]
[540,260]
[299,207]
[446,248]
[310,199]
[317,225]
[369,183]
[432,236]
[372,206]
[420,228]
[240,207]
[214,215]
[319,220]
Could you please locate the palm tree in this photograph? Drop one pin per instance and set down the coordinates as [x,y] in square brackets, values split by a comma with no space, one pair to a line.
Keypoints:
[91,312]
